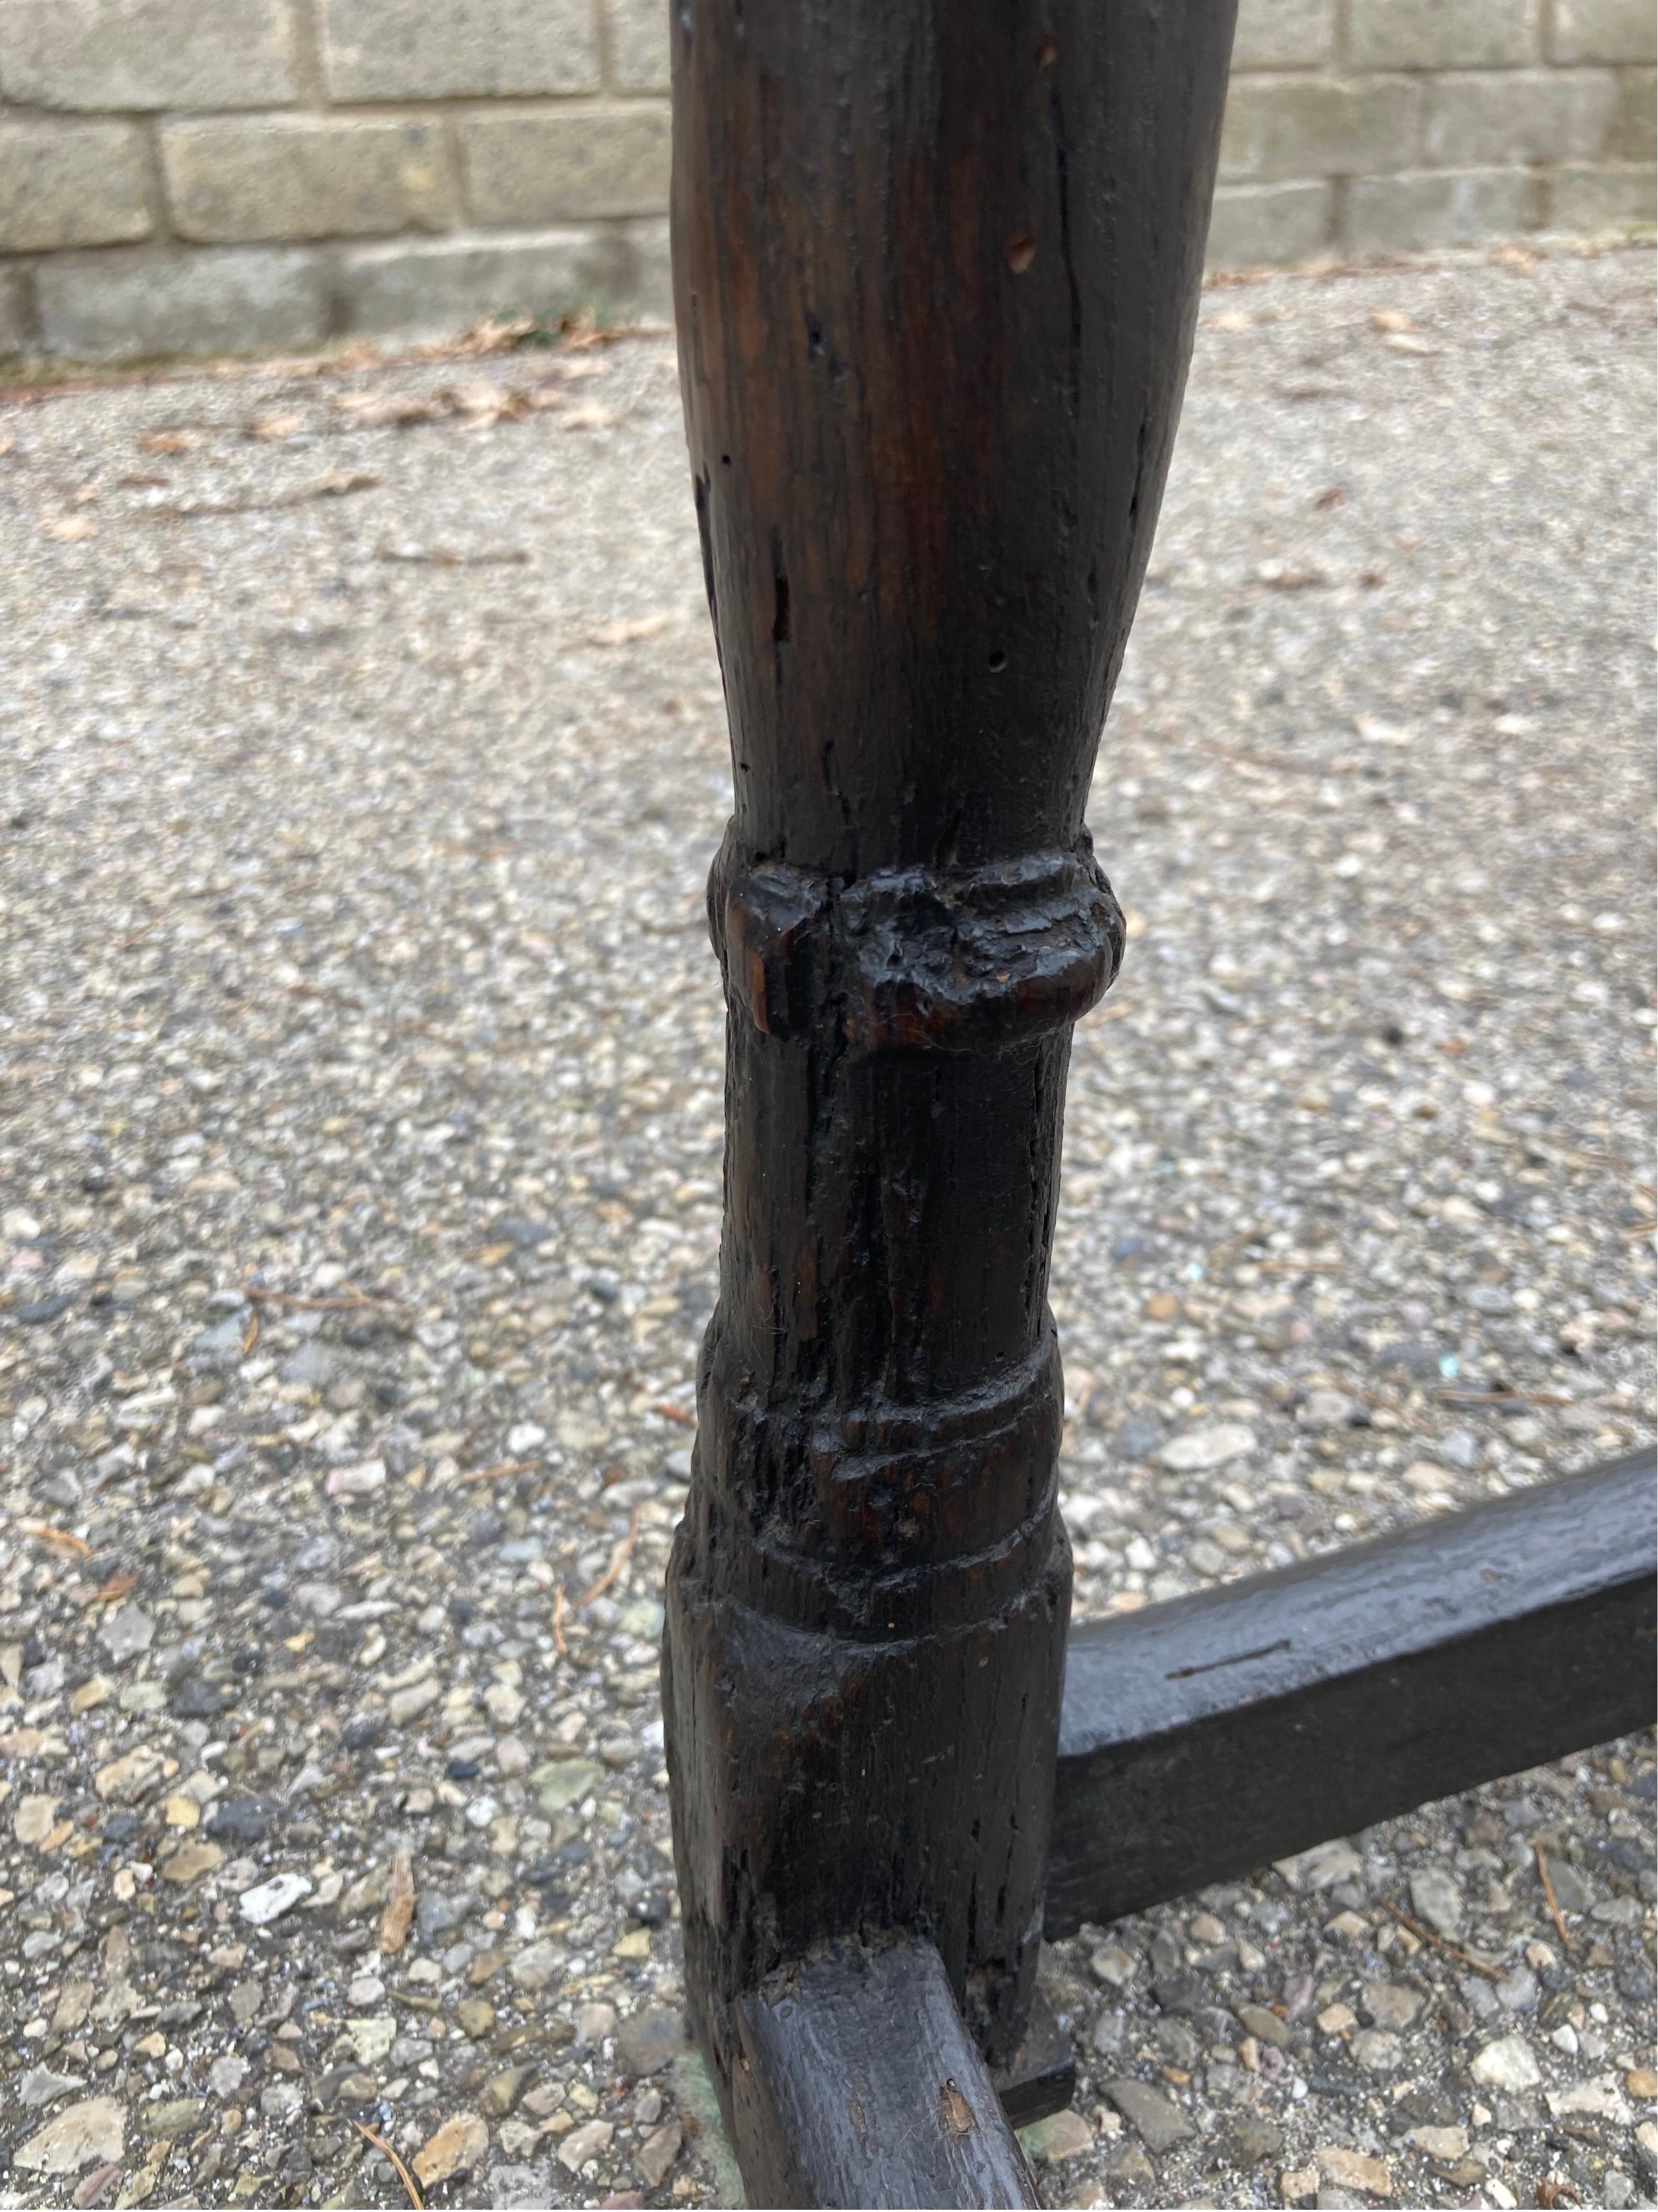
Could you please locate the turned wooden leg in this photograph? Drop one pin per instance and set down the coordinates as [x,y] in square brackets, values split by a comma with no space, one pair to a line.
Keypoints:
[936,271]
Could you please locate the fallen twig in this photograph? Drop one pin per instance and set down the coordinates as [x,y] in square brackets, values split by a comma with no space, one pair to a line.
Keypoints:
[440,556]
[1228,1251]
[355,1303]
[1440,1943]
[619,1558]
[56,1539]
[1455,1397]
[385,2150]
[335,485]
[559,1644]
[505,1467]
[1547,1881]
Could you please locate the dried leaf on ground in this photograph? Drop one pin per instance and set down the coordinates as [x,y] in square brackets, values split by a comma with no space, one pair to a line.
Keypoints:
[374,410]
[585,329]
[171,441]
[1280,576]
[269,427]
[336,484]
[399,1905]
[495,334]
[628,633]
[68,529]
[484,403]
[588,417]
[456,2147]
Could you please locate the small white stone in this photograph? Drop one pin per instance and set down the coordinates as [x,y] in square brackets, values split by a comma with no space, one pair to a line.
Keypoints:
[1201,1448]
[1601,2099]
[1446,2144]
[1378,2050]
[81,2133]
[225,2075]
[408,1704]
[503,1703]
[534,1968]
[1326,1409]
[1323,1867]
[268,1901]
[1438,1898]
[127,1632]
[1062,2135]
[373,2038]
[368,1475]
[38,2085]
[583,2143]
[1507,2064]
[35,1818]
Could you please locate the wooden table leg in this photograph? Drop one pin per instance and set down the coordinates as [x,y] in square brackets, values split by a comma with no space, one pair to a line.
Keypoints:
[936,271]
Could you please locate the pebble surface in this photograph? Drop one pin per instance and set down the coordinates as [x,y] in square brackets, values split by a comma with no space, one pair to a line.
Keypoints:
[359,1203]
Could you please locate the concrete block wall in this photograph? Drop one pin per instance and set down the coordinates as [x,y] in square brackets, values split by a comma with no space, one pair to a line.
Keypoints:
[207,176]
[1366,127]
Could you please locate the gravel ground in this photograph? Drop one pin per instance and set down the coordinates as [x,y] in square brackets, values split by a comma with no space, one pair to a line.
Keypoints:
[358,1164]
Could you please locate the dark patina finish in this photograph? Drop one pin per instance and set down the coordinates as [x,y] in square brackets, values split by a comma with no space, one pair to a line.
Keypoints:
[936,272]
[936,277]
[1218,1732]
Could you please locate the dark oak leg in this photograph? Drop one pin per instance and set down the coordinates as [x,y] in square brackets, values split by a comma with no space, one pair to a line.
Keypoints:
[936,269]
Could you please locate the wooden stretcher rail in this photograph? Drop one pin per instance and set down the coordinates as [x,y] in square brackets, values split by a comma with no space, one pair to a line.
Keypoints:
[1205,1737]
[857,2083]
